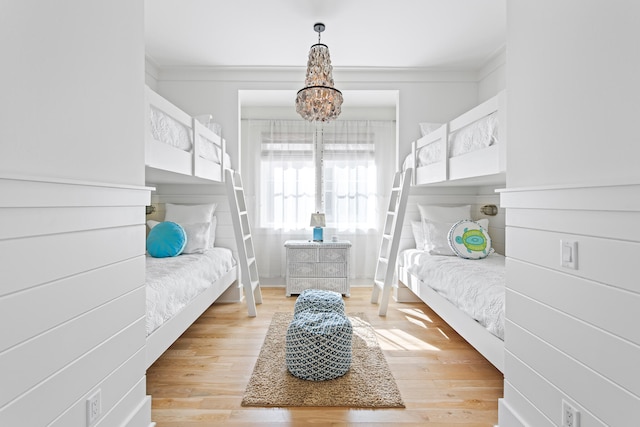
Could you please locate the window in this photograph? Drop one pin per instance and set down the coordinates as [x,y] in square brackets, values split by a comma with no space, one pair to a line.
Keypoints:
[342,157]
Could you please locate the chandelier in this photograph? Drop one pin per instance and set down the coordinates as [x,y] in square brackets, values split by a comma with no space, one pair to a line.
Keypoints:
[319,100]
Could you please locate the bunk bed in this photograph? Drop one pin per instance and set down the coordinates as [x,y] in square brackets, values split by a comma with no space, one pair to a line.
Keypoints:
[182,283]
[468,150]
[179,290]
[178,147]
[468,294]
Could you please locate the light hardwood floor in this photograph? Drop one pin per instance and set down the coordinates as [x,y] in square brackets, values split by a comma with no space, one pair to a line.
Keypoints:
[201,379]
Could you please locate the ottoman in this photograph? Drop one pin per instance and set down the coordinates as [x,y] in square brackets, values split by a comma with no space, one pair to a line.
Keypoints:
[319,301]
[318,341]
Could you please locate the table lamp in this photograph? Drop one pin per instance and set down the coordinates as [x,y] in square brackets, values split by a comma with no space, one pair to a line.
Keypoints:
[317,222]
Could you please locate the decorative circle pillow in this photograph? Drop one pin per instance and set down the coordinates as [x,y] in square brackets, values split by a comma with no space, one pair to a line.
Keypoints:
[197,235]
[166,239]
[469,240]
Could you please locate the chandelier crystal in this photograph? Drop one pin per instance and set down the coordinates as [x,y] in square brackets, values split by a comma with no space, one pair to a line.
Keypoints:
[319,100]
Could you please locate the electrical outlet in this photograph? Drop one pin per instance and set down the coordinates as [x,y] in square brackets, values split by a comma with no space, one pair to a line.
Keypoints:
[94,407]
[570,415]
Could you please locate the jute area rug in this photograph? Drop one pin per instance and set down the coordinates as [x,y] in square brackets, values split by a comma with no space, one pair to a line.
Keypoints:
[368,383]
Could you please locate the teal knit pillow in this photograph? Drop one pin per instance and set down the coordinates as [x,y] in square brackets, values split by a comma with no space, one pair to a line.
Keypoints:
[166,239]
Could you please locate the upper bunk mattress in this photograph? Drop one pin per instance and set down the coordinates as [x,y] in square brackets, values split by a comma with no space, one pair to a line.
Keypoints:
[475,136]
[173,282]
[476,287]
[168,130]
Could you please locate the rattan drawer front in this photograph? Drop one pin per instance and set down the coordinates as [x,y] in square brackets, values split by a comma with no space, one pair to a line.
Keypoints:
[302,255]
[297,285]
[333,255]
[313,265]
[324,269]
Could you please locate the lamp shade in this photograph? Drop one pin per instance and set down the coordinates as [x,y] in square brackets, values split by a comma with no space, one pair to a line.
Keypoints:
[317,220]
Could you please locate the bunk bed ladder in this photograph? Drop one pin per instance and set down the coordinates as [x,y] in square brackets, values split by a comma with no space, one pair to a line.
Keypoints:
[244,240]
[385,268]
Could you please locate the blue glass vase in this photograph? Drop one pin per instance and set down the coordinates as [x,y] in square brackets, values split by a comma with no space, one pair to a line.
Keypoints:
[317,234]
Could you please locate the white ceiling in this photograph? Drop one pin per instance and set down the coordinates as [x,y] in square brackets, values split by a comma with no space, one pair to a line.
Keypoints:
[361,34]
[432,34]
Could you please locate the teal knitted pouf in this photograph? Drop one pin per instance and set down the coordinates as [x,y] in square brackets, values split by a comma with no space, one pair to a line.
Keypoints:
[319,301]
[318,341]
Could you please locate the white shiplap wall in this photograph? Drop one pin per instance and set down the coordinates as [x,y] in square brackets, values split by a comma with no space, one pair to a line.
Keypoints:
[573,174]
[72,302]
[572,334]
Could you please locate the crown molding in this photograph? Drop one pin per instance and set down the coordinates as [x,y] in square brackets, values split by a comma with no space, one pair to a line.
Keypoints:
[151,67]
[296,74]
[496,60]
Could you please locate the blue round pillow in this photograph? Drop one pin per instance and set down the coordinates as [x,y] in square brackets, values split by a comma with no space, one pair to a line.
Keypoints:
[166,239]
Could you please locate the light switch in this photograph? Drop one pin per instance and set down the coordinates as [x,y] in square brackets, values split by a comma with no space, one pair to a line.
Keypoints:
[569,254]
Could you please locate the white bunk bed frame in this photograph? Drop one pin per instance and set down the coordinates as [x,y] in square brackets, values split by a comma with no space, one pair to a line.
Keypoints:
[484,166]
[167,333]
[487,344]
[481,167]
[165,163]
[225,289]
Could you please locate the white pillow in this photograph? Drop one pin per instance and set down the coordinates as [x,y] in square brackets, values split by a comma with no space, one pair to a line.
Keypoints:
[426,128]
[418,234]
[212,232]
[445,213]
[197,237]
[191,214]
[437,236]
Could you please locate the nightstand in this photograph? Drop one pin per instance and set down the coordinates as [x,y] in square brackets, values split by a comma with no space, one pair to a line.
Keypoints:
[317,265]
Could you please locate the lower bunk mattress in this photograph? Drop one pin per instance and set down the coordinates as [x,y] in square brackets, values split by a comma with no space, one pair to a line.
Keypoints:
[477,287]
[172,283]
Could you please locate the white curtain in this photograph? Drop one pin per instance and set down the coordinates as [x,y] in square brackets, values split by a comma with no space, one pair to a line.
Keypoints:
[357,160]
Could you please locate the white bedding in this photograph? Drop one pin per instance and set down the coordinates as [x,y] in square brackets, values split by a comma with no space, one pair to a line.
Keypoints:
[480,134]
[477,135]
[477,287]
[430,154]
[208,150]
[172,283]
[167,130]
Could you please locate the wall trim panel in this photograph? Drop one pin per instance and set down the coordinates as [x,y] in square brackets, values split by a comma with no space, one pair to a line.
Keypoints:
[508,417]
[73,296]
[571,334]
[112,388]
[65,387]
[37,192]
[52,350]
[28,222]
[580,383]
[601,197]
[589,345]
[63,255]
[604,260]
[72,304]
[583,299]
